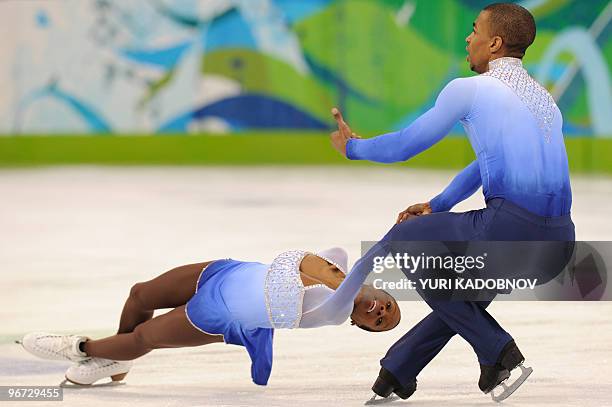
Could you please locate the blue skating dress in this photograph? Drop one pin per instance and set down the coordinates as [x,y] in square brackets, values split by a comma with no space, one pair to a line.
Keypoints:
[246,301]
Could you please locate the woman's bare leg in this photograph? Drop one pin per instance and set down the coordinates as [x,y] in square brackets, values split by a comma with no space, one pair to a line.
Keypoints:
[169,290]
[170,330]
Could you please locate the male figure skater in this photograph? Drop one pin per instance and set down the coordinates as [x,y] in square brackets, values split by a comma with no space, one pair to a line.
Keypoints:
[515,129]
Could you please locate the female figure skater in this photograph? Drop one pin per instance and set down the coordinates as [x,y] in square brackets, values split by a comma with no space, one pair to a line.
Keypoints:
[235,302]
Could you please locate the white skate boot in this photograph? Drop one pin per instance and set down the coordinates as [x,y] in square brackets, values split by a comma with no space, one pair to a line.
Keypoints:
[88,372]
[56,347]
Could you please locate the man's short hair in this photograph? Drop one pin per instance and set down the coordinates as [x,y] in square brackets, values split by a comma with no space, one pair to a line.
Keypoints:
[515,24]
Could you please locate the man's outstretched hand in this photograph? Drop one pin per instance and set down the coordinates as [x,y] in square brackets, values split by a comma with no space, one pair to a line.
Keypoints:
[413,211]
[343,135]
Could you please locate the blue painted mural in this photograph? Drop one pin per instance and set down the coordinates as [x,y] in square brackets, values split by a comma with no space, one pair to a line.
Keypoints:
[185,66]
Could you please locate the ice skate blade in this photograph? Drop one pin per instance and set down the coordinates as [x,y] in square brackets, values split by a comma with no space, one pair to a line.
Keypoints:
[383,400]
[67,384]
[508,390]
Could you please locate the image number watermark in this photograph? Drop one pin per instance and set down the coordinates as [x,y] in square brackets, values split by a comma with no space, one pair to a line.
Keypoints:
[31,393]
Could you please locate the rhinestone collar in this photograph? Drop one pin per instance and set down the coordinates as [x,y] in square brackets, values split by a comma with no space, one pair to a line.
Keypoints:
[500,62]
[537,99]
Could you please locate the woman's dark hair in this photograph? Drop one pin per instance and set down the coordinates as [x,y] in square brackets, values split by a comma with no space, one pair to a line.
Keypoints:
[365,328]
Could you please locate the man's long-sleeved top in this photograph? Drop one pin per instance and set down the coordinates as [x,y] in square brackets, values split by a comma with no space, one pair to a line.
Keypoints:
[514,127]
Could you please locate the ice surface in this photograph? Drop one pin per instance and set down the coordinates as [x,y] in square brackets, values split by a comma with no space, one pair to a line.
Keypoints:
[73,240]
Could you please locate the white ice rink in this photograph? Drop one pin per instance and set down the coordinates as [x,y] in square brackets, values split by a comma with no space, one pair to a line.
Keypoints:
[73,241]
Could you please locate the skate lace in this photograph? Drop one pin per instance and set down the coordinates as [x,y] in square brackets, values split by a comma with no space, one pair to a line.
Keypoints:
[65,343]
[97,364]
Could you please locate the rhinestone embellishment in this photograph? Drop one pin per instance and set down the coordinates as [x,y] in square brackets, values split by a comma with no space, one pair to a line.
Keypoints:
[284,290]
[537,99]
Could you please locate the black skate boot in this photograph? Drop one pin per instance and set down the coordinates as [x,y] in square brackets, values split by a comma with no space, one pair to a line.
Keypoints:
[493,376]
[386,384]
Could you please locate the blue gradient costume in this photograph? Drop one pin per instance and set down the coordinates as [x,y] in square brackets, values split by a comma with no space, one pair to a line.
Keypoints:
[246,301]
[514,127]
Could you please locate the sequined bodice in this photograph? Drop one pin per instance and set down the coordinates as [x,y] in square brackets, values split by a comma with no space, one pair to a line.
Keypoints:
[537,99]
[284,289]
